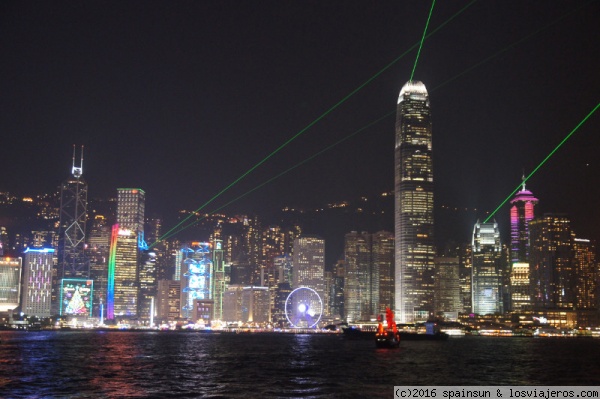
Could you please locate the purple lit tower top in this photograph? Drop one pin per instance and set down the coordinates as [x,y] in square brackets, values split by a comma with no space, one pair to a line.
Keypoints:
[521,212]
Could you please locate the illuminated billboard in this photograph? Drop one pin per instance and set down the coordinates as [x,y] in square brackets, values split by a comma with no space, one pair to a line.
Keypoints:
[76,297]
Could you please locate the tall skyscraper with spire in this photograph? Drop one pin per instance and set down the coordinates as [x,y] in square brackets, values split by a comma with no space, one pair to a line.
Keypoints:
[73,215]
[413,188]
[521,214]
[72,261]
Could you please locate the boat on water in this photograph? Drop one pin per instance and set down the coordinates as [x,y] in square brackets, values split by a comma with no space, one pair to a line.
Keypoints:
[387,338]
[431,334]
[356,333]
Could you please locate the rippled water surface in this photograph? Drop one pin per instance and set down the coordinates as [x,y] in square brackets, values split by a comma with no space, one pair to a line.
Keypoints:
[90,364]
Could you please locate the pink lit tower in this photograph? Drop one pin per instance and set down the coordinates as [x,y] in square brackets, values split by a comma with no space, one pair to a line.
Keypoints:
[521,213]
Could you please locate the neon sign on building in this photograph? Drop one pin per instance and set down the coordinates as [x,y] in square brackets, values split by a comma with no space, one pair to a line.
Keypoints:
[197,268]
[76,297]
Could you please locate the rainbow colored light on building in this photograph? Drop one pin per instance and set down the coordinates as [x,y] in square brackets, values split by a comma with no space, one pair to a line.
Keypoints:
[112,259]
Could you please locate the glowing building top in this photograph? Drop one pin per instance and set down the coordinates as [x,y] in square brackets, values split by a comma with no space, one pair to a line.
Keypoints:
[413,89]
[524,195]
[521,213]
[77,171]
[130,208]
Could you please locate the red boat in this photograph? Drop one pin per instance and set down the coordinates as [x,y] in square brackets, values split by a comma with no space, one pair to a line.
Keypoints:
[387,338]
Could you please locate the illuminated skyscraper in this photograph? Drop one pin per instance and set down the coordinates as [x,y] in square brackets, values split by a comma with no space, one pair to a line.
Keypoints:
[272,245]
[130,211]
[357,283]
[219,279]
[336,292]
[283,266]
[382,256]
[10,283]
[256,306]
[465,270]
[148,285]
[414,247]
[97,253]
[586,268]
[553,277]
[37,281]
[72,262]
[447,286]
[196,273]
[232,303]
[282,292]
[123,266]
[251,243]
[122,292]
[308,264]
[520,287]
[368,277]
[487,292]
[168,301]
[521,213]
[73,215]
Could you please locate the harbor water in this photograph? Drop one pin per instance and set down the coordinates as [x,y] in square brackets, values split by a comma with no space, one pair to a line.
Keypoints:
[99,364]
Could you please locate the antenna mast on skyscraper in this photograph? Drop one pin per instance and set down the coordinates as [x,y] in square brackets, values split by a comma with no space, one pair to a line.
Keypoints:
[77,171]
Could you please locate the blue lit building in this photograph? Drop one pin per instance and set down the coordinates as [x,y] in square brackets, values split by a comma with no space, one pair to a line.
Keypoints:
[196,271]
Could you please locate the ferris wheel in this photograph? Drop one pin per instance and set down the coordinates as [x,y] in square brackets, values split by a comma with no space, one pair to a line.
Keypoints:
[303,308]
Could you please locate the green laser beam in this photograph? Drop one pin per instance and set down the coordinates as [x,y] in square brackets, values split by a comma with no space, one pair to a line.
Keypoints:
[422,40]
[370,124]
[354,134]
[314,121]
[485,60]
[363,129]
[544,161]
[288,141]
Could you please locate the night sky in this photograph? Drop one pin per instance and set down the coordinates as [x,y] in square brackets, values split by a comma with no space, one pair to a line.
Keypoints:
[182,97]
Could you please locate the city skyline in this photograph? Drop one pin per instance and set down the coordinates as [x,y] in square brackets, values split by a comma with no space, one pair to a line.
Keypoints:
[169,104]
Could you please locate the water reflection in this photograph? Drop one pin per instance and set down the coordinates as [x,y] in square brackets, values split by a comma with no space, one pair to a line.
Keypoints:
[114,366]
[136,364]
